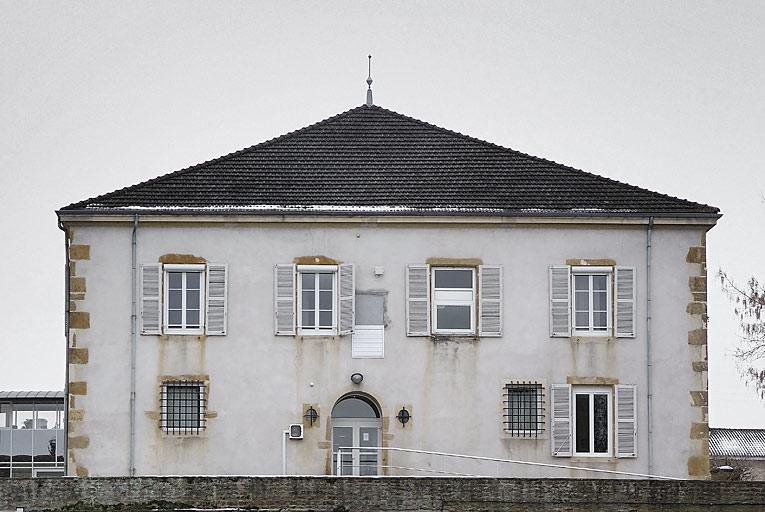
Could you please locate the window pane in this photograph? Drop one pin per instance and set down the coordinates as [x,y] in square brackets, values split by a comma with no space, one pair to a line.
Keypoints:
[175,280]
[23,416]
[453,317]
[325,300]
[174,299]
[325,318]
[192,318]
[307,280]
[193,279]
[600,423]
[582,320]
[599,282]
[454,278]
[522,407]
[599,300]
[174,317]
[325,281]
[599,319]
[582,301]
[582,423]
[308,318]
[309,299]
[192,299]
[581,282]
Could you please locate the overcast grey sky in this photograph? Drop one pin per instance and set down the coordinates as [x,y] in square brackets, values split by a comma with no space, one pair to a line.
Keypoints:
[93,97]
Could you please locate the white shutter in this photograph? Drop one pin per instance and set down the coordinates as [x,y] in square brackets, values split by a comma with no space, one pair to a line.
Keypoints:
[151,302]
[625,302]
[490,296]
[217,295]
[368,342]
[346,298]
[417,284]
[560,420]
[626,421]
[560,301]
[284,299]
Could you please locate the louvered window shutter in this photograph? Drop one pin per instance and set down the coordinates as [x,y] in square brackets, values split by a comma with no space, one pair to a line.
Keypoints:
[490,295]
[560,301]
[417,284]
[284,300]
[217,294]
[346,298]
[151,299]
[625,302]
[626,421]
[560,421]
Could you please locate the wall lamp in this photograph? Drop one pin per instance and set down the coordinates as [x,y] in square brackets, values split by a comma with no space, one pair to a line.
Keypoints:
[356,378]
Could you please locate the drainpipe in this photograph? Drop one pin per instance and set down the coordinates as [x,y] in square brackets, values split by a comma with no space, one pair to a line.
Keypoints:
[133,341]
[66,344]
[649,360]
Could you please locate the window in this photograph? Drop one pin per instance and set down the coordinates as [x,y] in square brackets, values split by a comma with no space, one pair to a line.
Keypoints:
[592,301]
[313,299]
[524,409]
[453,300]
[184,295]
[183,407]
[317,299]
[592,421]
[184,299]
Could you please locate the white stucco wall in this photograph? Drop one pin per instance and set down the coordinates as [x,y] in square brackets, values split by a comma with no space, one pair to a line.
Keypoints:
[259,382]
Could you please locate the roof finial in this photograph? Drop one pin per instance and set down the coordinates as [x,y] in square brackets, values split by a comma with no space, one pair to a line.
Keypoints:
[369,84]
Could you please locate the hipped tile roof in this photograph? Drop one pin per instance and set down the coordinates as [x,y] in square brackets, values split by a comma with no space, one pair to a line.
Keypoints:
[370,159]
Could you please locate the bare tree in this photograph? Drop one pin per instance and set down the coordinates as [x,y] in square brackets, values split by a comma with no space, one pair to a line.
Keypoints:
[749,307]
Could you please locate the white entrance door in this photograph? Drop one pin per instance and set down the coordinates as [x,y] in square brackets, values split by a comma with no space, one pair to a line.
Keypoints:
[356,432]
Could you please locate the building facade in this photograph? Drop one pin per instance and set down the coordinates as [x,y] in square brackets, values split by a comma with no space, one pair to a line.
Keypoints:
[373,281]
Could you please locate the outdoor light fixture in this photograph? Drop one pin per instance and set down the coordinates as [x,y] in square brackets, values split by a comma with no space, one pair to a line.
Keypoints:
[404,416]
[356,378]
[311,415]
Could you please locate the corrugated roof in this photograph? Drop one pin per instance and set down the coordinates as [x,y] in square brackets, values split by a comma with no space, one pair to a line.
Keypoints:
[31,395]
[737,442]
[373,160]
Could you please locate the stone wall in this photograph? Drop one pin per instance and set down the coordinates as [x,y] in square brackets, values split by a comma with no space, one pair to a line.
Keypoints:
[350,494]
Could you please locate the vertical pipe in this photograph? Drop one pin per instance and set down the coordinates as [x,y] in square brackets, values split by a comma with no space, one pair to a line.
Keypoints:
[649,356]
[133,341]
[284,451]
[66,340]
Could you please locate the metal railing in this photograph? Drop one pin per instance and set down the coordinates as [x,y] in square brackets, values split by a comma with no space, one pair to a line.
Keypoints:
[367,449]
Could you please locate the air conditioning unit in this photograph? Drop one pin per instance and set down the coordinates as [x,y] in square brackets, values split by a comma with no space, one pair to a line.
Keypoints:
[296,431]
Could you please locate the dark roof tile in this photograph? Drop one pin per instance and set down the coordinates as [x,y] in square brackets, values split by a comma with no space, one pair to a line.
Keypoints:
[375,160]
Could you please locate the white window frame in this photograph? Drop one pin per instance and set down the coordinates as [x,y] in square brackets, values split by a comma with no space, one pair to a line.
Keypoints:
[592,271]
[202,269]
[591,391]
[316,330]
[434,302]
[184,430]
[541,402]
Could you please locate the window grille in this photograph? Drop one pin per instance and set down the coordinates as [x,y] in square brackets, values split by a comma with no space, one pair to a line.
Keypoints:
[524,409]
[183,407]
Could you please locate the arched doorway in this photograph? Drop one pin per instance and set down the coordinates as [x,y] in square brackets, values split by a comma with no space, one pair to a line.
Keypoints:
[356,423]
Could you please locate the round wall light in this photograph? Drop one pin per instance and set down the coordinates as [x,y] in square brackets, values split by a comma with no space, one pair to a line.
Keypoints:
[356,378]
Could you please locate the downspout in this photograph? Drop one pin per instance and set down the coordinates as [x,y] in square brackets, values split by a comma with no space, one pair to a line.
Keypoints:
[649,360]
[66,340]
[133,340]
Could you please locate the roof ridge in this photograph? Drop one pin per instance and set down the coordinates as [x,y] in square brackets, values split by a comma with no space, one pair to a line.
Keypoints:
[538,158]
[179,172]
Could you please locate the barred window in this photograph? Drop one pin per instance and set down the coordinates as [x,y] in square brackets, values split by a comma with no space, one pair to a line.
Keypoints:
[183,407]
[524,409]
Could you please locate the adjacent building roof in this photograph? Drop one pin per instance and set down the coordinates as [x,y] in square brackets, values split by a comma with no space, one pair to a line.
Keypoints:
[737,442]
[373,160]
[31,395]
